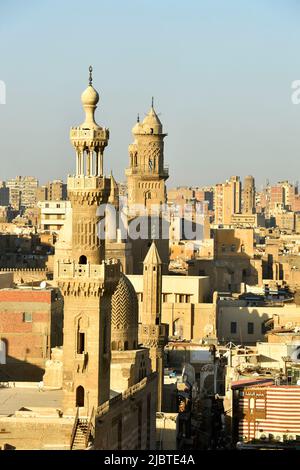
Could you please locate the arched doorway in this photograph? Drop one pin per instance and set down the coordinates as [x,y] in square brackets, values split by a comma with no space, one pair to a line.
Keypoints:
[80,396]
[83,259]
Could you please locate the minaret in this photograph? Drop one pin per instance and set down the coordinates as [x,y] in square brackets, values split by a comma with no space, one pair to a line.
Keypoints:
[88,188]
[146,177]
[86,281]
[152,285]
[147,174]
[152,333]
[114,193]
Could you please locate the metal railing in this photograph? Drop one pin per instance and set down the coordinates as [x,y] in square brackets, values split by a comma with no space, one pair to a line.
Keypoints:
[91,427]
[74,428]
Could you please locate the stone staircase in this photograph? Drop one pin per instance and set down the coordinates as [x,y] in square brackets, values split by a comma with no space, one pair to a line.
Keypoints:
[79,441]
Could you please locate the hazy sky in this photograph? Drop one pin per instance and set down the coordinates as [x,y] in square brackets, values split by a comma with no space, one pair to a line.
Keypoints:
[220,72]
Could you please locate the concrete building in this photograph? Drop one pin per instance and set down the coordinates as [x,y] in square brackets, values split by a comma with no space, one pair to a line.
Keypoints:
[41,194]
[186,307]
[245,322]
[227,200]
[22,191]
[249,195]
[4,194]
[56,190]
[53,214]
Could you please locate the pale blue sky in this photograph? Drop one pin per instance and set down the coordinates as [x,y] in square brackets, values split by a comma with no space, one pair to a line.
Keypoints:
[220,72]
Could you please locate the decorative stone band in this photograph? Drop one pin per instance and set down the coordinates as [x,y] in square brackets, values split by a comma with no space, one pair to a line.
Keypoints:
[98,136]
[86,289]
[108,270]
[87,182]
[153,335]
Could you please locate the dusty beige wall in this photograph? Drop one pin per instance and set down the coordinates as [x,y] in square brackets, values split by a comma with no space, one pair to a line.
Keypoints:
[124,413]
[35,434]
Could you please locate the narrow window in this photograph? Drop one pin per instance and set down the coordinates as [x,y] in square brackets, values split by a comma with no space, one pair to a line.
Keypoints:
[27,317]
[250,328]
[80,343]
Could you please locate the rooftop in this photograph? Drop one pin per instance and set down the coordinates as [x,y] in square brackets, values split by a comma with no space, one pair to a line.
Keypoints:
[13,399]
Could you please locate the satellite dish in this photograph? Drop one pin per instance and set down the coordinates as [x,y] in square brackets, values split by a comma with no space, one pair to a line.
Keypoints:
[43,284]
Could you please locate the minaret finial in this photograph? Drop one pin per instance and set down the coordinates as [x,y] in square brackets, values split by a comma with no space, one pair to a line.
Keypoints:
[91,76]
[152,102]
[138,118]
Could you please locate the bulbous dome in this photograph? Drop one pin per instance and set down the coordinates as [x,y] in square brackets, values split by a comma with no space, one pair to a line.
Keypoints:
[90,96]
[151,123]
[124,316]
[137,128]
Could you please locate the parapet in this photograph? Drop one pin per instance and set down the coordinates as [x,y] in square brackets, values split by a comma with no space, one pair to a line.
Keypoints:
[107,270]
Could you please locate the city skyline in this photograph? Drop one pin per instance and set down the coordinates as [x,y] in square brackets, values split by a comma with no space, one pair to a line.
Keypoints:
[220,100]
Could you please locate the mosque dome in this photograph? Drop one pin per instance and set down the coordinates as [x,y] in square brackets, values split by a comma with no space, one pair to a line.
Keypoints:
[124,316]
[90,96]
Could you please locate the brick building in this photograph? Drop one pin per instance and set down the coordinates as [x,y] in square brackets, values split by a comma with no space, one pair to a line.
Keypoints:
[30,324]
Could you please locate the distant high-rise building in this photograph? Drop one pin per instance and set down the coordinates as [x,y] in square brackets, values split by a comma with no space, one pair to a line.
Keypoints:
[22,191]
[227,200]
[249,195]
[4,194]
[57,190]
[41,193]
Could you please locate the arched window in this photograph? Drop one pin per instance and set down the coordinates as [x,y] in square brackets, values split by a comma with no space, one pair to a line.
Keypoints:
[83,259]
[80,396]
[81,340]
[114,346]
[126,346]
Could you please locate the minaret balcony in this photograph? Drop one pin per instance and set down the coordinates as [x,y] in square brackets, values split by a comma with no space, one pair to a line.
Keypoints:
[109,270]
[150,174]
[98,135]
[86,182]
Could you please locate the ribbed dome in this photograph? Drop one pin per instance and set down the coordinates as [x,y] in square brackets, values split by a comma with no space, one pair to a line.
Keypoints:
[90,96]
[152,121]
[124,319]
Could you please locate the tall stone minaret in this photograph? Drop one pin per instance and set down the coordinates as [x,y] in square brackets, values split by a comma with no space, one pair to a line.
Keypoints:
[147,174]
[146,189]
[152,333]
[86,281]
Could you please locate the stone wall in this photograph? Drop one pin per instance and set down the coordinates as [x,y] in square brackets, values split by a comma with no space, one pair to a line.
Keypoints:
[21,276]
[127,422]
[43,433]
